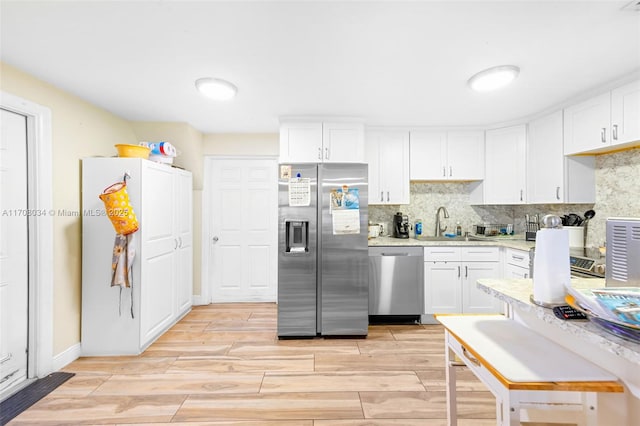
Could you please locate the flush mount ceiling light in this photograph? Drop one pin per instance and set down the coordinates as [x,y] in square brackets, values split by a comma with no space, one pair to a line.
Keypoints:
[493,78]
[215,88]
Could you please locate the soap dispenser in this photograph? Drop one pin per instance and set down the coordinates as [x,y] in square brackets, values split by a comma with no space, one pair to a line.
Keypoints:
[458,229]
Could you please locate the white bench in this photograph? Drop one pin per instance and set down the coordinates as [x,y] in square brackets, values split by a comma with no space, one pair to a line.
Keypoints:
[530,376]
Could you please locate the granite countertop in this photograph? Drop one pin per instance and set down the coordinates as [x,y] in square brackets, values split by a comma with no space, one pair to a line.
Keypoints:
[516,242]
[517,293]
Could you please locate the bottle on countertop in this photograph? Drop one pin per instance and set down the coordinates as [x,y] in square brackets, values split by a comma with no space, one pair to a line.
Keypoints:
[418,227]
[458,229]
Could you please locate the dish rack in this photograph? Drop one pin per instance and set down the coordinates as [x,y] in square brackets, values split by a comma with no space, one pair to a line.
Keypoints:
[492,229]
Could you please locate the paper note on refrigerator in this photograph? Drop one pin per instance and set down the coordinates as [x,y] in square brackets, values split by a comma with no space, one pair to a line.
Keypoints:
[299,192]
[346,222]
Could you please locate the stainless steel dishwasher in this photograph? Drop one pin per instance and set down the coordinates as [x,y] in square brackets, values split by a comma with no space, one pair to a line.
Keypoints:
[396,280]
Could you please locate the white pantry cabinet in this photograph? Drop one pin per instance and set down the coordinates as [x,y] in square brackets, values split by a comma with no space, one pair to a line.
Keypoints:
[447,155]
[505,168]
[451,275]
[387,153]
[552,177]
[162,270]
[321,142]
[605,122]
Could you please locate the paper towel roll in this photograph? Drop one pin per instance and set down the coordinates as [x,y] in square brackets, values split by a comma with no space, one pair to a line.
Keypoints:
[551,270]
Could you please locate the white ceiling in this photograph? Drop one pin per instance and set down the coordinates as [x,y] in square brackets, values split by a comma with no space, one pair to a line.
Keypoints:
[389,62]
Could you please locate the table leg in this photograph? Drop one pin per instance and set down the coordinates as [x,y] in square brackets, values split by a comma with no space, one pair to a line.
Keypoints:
[450,372]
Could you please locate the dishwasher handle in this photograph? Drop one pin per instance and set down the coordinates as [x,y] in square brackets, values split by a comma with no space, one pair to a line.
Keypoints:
[395,254]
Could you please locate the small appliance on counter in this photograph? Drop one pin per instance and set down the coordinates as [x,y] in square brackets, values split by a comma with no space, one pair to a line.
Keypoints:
[400,225]
[551,271]
[623,252]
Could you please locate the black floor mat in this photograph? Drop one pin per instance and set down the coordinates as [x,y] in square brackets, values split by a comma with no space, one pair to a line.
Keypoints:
[25,398]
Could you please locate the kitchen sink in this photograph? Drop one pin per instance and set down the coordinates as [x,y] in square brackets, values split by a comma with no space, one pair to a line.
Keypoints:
[433,238]
[456,238]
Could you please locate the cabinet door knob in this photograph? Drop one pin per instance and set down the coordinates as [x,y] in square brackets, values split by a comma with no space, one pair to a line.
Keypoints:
[459,273]
[450,171]
[381,195]
[603,135]
[557,192]
[319,153]
[388,196]
[466,271]
[215,240]
[521,194]
[614,132]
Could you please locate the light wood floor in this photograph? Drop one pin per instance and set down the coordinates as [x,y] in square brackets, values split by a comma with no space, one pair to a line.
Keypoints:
[223,365]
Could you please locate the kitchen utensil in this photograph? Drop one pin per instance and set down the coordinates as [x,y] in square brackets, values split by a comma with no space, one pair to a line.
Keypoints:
[588,215]
[572,219]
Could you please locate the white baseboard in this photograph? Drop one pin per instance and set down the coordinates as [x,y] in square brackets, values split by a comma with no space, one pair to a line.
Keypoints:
[67,357]
[198,300]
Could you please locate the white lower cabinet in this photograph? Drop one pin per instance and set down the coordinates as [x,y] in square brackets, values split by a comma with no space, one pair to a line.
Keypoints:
[450,275]
[516,264]
[125,322]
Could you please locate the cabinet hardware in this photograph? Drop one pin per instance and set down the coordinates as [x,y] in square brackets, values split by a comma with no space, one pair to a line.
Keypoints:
[603,135]
[521,195]
[513,256]
[326,153]
[175,246]
[319,153]
[557,192]
[215,240]
[388,196]
[526,275]
[444,171]
[381,195]
[466,272]
[458,272]
[450,171]
[469,357]
[615,132]
[6,358]
[180,242]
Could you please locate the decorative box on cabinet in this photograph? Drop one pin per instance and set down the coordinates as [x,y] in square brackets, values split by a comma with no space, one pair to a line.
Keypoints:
[450,275]
[115,323]
[447,155]
[552,177]
[505,168]
[311,141]
[605,122]
[387,153]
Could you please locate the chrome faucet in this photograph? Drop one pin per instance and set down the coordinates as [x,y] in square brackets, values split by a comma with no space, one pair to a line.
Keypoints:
[439,229]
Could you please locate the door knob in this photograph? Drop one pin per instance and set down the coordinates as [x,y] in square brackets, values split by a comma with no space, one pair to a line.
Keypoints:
[215,240]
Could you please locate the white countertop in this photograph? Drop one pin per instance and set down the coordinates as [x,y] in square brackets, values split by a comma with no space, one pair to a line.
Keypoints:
[517,293]
[517,242]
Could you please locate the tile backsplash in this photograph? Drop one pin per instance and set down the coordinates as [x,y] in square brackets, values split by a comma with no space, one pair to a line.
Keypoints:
[617,194]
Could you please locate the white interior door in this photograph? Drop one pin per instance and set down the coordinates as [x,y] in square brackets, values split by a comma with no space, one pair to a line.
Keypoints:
[243,229]
[14,250]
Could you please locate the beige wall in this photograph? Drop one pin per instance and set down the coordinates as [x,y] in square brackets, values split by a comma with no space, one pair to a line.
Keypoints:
[79,130]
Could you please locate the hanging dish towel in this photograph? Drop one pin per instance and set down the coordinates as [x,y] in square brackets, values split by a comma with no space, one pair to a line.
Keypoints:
[123,255]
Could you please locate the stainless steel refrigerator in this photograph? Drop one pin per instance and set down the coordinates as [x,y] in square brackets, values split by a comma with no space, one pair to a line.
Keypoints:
[323,276]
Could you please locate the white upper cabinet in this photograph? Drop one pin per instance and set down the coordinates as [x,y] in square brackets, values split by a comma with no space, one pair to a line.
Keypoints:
[505,168]
[625,114]
[604,122]
[387,152]
[551,177]
[317,142]
[447,155]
